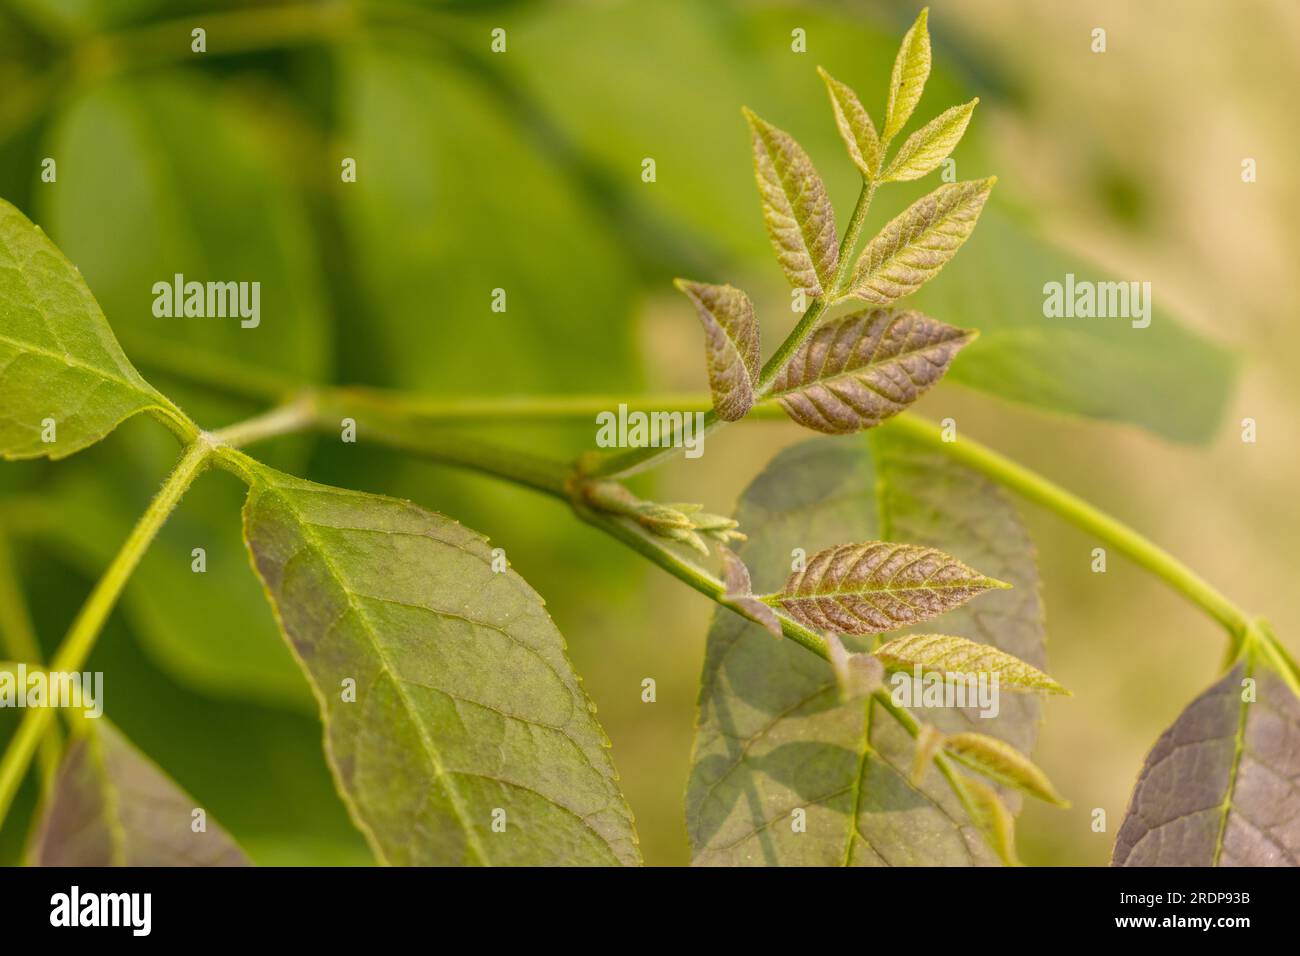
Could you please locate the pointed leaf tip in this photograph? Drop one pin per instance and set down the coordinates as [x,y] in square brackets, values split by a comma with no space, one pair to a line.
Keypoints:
[924,150]
[855,126]
[797,211]
[949,654]
[877,586]
[859,370]
[910,72]
[1003,763]
[918,242]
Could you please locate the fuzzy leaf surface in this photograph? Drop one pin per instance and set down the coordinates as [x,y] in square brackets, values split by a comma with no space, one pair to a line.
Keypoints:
[774,733]
[999,760]
[730,345]
[856,371]
[112,806]
[1221,787]
[948,654]
[796,209]
[993,818]
[465,699]
[907,81]
[58,356]
[878,586]
[924,150]
[917,243]
[855,126]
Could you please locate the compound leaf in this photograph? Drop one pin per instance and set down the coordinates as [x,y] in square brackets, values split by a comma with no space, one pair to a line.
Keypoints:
[878,586]
[775,735]
[1002,762]
[916,243]
[855,126]
[957,655]
[1221,787]
[796,209]
[858,370]
[930,145]
[112,806]
[730,345]
[465,712]
[62,373]
[907,81]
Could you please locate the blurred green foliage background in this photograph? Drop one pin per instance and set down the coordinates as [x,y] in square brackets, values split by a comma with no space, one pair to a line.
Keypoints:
[522,170]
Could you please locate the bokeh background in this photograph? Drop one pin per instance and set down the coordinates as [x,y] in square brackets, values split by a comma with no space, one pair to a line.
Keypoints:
[522,171]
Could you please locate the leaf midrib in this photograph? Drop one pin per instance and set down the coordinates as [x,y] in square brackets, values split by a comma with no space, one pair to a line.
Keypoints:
[1239,747]
[430,750]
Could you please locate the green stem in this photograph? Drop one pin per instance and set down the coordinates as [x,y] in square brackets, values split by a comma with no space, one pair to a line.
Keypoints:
[654,549]
[848,245]
[286,419]
[550,476]
[1078,512]
[85,629]
[633,460]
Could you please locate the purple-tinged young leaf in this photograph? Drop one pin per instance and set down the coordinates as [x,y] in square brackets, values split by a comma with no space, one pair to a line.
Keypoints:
[1221,787]
[857,371]
[916,244]
[740,594]
[112,806]
[858,675]
[773,731]
[878,586]
[730,344]
[796,209]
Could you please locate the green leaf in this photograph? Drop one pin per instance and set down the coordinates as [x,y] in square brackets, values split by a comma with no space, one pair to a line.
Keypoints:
[796,209]
[930,145]
[739,595]
[878,586]
[907,81]
[856,371]
[957,655]
[1221,787]
[773,734]
[1000,761]
[730,343]
[465,703]
[112,806]
[855,126]
[991,815]
[60,366]
[917,243]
